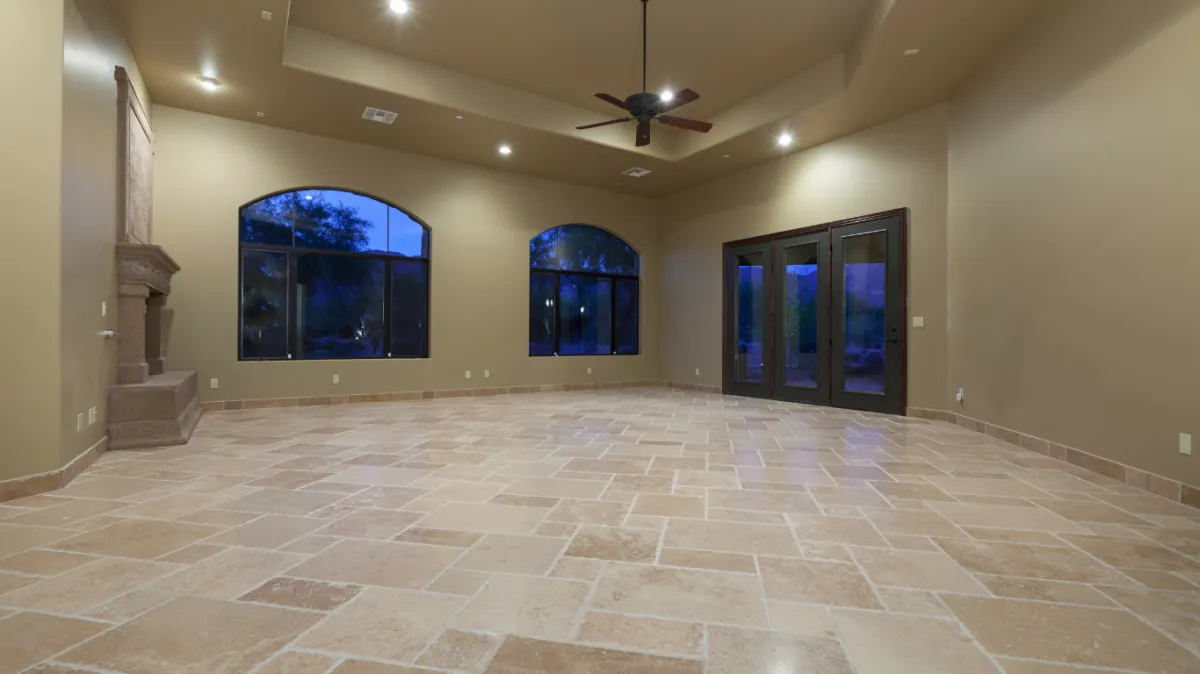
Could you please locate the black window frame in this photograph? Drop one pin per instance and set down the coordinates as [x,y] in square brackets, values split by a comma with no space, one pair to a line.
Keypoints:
[294,251]
[613,278]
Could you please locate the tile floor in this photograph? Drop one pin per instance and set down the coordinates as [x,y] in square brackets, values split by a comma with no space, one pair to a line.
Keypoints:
[633,531]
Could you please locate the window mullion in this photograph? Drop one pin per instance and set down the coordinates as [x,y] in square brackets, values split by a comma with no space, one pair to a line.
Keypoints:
[555,313]
[293,300]
[612,316]
[387,308]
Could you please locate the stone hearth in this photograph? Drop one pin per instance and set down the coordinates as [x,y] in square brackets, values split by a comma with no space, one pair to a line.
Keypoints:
[148,407]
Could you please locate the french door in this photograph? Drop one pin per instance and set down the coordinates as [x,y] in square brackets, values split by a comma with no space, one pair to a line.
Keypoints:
[818,315]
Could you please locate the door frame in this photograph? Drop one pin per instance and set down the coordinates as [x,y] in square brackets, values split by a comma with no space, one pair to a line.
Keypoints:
[770,239]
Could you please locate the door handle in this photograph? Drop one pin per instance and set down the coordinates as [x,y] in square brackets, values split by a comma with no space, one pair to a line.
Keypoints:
[111,334]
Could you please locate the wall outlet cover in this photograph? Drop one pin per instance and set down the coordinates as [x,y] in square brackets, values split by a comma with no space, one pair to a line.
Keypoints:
[589,370]
[959,396]
[212,383]
[468,374]
[918,321]
[79,422]
[487,374]
[697,372]
[1185,443]
[337,378]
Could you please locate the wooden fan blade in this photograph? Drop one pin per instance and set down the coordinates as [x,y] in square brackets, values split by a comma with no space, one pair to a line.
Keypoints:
[681,98]
[614,100]
[643,134]
[611,121]
[685,123]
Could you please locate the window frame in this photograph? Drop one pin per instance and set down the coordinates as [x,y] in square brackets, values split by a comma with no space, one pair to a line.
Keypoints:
[293,252]
[613,278]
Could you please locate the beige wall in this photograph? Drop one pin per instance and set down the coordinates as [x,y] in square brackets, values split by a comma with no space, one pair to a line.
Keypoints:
[31,55]
[1074,242]
[93,47]
[896,165]
[481,222]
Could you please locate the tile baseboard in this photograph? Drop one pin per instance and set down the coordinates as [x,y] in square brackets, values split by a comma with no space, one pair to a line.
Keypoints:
[1158,485]
[400,396]
[32,485]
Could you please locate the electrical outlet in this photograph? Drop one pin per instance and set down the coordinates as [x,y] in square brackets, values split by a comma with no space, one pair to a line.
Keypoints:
[918,321]
[337,378]
[212,383]
[487,374]
[468,374]
[697,372]
[79,422]
[589,370]
[1185,443]
[959,396]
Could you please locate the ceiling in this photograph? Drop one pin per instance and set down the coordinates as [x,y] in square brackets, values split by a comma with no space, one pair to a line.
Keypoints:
[523,72]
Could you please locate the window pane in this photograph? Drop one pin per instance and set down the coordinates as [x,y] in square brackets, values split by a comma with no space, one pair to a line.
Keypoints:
[340,309]
[264,304]
[268,221]
[410,312]
[627,316]
[865,279]
[541,314]
[582,248]
[334,220]
[406,236]
[750,320]
[800,318]
[584,315]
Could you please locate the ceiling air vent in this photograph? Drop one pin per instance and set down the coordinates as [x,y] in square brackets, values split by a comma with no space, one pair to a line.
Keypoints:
[377,115]
[636,172]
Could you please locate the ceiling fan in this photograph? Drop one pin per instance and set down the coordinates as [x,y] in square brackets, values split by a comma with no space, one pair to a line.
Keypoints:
[645,107]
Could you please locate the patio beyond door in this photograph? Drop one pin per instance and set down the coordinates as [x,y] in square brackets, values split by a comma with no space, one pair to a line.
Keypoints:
[818,315]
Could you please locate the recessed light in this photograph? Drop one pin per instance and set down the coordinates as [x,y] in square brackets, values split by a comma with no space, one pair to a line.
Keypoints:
[266,15]
[458,117]
[728,156]
[667,96]
[209,83]
[784,139]
[911,52]
[261,114]
[504,150]
[398,7]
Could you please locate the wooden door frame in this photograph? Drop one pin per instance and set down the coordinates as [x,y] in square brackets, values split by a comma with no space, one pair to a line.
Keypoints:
[902,213]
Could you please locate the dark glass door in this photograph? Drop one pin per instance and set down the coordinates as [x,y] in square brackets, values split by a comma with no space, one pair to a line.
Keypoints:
[868,316]
[801,282]
[748,320]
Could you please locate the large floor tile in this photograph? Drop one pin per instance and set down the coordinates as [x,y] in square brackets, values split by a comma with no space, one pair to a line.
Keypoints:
[816,582]
[733,650]
[537,607]
[531,656]
[382,623]
[731,537]
[485,518]
[1030,561]
[893,644]
[140,539]
[194,636]
[87,585]
[397,565]
[28,638]
[1070,634]
[682,594]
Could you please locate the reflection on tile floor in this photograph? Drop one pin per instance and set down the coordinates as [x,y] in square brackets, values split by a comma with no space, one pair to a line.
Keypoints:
[634,531]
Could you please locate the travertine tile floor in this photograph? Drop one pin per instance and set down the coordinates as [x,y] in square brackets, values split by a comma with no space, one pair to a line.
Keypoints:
[623,532]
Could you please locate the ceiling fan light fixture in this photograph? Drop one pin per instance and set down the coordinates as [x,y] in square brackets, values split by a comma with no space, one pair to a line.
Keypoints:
[666,96]
[504,150]
[399,7]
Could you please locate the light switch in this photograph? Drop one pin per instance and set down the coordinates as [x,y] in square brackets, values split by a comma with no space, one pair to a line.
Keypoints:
[1185,443]
[487,374]
[337,378]
[589,370]
[468,374]
[103,309]
[212,383]
[918,321]
[697,372]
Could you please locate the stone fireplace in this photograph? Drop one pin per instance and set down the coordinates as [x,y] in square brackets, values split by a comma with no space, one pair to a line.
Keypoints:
[148,406]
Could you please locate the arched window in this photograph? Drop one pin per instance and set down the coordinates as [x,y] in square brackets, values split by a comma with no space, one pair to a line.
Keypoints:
[332,274]
[583,293]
